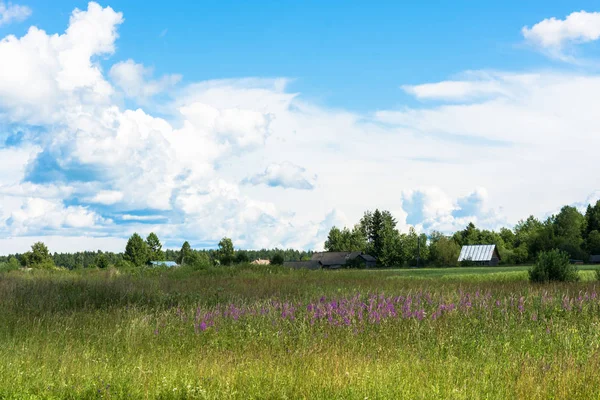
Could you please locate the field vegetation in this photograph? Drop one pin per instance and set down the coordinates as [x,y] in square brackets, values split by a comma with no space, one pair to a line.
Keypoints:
[270,332]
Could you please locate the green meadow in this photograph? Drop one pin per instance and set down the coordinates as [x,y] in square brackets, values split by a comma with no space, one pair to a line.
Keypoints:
[264,332]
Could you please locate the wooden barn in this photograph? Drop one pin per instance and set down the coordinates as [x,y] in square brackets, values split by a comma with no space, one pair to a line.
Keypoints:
[343,259]
[481,254]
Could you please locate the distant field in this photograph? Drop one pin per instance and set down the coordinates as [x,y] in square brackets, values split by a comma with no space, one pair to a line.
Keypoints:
[267,332]
[480,273]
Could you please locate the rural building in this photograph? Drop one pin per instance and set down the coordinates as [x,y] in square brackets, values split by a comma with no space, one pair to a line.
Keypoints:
[484,254]
[261,262]
[302,264]
[365,260]
[595,259]
[339,259]
[164,264]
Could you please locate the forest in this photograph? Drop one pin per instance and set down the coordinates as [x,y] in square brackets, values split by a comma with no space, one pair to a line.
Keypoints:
[571,231]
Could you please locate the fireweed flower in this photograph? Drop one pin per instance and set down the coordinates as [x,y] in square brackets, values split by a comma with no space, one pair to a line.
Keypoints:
[358,312]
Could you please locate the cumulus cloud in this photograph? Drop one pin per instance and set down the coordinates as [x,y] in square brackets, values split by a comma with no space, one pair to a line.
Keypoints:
[285,175]
[554,34]
[430,208]
[134,80]
[107,197]
[13,13]
[40,214]
[49,74]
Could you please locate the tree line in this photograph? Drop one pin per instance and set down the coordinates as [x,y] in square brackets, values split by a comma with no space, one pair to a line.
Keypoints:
[575,233]
[139,252]
[570,231]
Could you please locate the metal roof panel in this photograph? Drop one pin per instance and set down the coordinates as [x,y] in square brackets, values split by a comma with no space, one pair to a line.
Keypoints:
[482,252]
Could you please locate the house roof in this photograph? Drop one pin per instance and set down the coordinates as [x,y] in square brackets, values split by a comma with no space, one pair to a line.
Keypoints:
[261,262]
[164,263]
[331,257]
[482,252]
[302,264]
[339,257]
[368,257]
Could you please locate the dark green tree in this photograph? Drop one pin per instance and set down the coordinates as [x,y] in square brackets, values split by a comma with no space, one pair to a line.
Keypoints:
[155,252]
[136,251]
[102,261]
[383,241]
[376,235]
[592,218]
[39,257]
[345,240]
[241,257]
[444,252]
[508,237]
[277,259]
[592,243]
[184,253]
[226,251]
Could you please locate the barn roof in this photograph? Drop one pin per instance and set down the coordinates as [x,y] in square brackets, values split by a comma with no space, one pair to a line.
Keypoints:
[480,252]
[331,257]
[302,264]
[368,257]
[339,257]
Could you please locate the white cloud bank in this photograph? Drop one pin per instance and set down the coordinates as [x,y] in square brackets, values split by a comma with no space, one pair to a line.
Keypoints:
[553,34]
[285,175]
[133,79]
[506,145]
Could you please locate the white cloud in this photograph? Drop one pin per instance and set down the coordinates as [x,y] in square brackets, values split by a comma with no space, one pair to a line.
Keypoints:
[13,13]
[60,244]
[430,208]
[49,74]
[285,175]
[38,213]
[128,217]
[454,90]
[107,197]
[96,168]
[133,79]
[554,34]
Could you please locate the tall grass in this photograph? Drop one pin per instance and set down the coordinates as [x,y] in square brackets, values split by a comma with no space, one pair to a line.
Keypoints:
[250,333]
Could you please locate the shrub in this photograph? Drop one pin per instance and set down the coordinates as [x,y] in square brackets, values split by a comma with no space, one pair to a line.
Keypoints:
[277,259]
[553,265]
[597,271]
[12,265]
[468,263]
[241,257]
[102,261]
[198,260]
[123,264]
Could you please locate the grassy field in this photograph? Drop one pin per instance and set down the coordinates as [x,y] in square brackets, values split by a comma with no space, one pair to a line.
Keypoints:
[266,332]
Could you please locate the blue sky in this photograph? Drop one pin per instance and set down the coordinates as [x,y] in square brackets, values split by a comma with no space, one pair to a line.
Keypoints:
[333,49]
[270,122]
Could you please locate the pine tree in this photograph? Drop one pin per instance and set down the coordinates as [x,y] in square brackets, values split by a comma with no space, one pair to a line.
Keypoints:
[184,253]
[154,248]
[136,251]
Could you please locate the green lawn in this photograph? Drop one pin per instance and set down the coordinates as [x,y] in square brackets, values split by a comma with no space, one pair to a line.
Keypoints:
[464,333]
